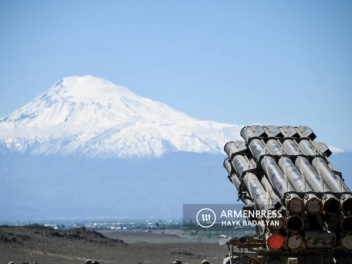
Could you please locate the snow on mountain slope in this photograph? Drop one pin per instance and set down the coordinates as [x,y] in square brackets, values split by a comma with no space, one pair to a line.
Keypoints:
[94,117]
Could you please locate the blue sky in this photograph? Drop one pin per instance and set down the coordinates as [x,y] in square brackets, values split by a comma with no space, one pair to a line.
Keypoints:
[242,62]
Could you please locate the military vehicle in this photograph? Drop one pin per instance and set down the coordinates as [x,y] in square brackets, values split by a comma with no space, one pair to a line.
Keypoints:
[282,169]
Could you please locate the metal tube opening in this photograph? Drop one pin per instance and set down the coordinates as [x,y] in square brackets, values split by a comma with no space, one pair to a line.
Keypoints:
[347,205]
[295,223]
[332,206]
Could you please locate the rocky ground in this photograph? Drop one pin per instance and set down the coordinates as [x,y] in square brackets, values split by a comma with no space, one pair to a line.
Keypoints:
[46,245]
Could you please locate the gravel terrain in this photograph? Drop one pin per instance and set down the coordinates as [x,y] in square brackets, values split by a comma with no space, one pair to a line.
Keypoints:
[46,245]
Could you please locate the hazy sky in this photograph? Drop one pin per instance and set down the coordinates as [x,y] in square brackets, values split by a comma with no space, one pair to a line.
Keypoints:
[242,62]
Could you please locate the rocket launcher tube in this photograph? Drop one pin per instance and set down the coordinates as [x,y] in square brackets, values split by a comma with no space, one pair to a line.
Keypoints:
[252,131]
[295,242]
[346,200]
[258,149]
[322,148]
[274,241]
[276,177]
[314,180]
[307,148]
[291,148]
[346,242]
[330,203]
[273,131]
[236,181]
[241,164]
[269,189]
[281,184]
[228,166]
[306,131]
[254,187]
[290,131]
[256,191]
[295,223]
[334,182]
[346,223]
[274,147]
[233,147]
[312,203]
[295,178]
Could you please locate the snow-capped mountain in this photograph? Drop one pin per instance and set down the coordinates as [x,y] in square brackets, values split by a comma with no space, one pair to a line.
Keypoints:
[94,117]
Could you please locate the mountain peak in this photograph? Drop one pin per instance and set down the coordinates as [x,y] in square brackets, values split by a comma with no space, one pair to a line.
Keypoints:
[92,116]
[90,101]
[88,88]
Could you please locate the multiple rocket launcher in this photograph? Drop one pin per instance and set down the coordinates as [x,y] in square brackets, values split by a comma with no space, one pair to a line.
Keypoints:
[282,168]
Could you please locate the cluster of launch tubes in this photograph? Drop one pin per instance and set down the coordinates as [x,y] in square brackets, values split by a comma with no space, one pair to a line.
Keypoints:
[283,168]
